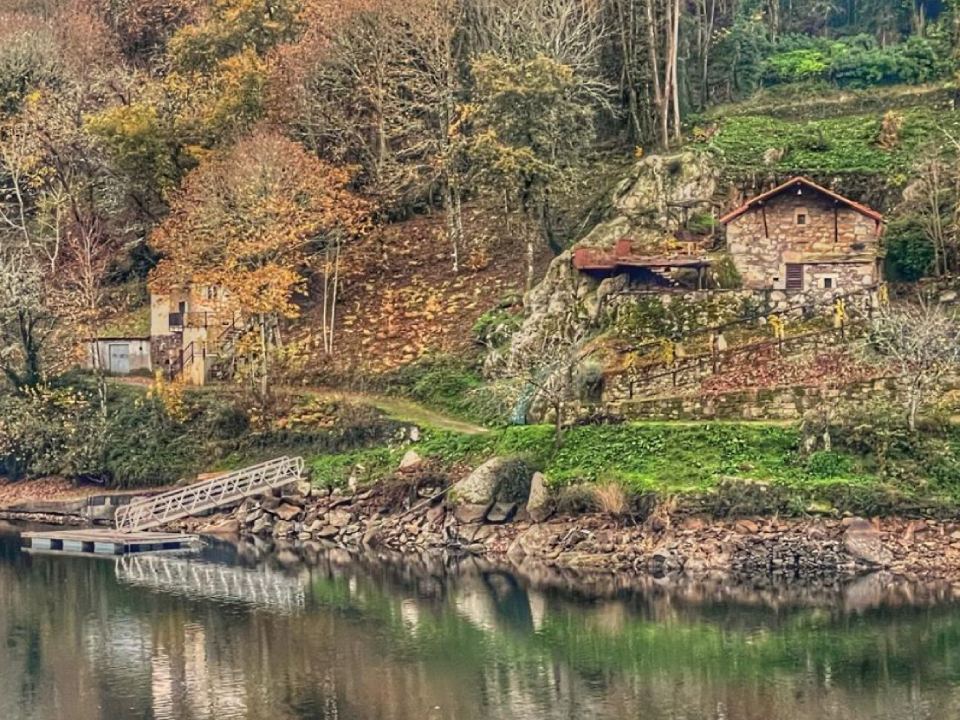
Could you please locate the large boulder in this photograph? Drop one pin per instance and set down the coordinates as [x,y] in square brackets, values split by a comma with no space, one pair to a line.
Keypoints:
[339,518]
[500,479]
[862,540]
[287,511]
[540,502]
[411,461]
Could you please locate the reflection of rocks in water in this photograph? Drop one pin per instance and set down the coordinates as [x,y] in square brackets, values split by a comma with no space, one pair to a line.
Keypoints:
[501,597]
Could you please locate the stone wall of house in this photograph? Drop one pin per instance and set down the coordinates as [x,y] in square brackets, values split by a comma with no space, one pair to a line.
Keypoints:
[833,241]
[164,349]
[767,404]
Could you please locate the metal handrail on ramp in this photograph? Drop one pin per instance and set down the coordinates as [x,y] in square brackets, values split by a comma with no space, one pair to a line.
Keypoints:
[194,499]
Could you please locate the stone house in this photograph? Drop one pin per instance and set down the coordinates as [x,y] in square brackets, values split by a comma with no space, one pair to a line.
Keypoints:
[800,236]
[189,327]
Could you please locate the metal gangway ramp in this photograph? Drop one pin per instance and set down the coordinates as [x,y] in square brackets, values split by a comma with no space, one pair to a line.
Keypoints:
[160,509]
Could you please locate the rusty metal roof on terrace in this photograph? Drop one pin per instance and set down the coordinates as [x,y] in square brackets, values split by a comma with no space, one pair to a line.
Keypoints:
[800,181]
[623,256]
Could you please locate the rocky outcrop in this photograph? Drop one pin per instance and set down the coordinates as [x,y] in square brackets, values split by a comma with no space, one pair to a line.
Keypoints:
[569,302]
[540,502]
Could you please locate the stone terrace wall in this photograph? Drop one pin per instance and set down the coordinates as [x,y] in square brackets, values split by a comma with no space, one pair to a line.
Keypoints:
[773,404]
[629,385]
[789,305]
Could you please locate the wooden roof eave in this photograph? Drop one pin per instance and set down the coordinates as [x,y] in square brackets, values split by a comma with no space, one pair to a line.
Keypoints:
[800,180]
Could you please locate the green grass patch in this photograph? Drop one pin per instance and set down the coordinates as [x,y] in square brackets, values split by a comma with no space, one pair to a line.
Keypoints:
[726,468]
[832,145]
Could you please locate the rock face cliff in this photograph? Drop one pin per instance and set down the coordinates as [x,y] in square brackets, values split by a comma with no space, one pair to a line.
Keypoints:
[644,208]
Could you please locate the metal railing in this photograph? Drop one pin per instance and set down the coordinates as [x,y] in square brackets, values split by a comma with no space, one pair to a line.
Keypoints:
[202,319]
[194,499]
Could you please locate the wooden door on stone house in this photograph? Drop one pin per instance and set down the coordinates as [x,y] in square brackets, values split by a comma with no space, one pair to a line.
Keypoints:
[794,276]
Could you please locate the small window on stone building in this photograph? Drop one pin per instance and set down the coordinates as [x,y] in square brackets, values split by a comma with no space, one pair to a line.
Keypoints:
[828,283]
[801,218]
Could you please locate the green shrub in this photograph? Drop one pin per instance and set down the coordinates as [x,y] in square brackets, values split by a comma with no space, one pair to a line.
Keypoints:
[909,251]
[828,464]
[857,61]
[796,65]
[145,447]
[702,223]
[51,431]
[725,273]
[226,420]
[495,327]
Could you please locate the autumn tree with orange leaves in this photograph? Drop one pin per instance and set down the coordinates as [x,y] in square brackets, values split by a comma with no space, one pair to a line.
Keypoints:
[257,219]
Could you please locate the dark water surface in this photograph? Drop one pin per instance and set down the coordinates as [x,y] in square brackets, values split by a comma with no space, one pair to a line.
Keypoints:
[234,633]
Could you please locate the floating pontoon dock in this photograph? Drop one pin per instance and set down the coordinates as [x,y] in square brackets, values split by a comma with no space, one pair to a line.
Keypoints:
[159,510]
[104,542]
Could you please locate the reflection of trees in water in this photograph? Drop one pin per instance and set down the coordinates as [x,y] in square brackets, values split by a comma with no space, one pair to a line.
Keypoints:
[417,640]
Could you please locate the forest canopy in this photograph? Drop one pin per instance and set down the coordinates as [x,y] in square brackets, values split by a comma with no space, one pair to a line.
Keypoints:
[132,131]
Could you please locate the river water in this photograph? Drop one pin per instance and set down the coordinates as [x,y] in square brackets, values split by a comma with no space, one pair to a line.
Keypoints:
[268,634]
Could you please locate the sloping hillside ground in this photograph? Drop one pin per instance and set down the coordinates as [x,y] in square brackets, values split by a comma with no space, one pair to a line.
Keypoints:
[401,299]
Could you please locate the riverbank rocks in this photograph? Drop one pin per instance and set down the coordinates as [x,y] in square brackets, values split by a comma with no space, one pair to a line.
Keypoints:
[510,521]
[539,502]
[862,540]
[500,479]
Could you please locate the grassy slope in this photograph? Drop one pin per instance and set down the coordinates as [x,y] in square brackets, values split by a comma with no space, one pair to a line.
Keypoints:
[833,135]
[722,467]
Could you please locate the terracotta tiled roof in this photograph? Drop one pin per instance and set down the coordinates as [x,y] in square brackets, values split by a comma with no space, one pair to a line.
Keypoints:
[793,182]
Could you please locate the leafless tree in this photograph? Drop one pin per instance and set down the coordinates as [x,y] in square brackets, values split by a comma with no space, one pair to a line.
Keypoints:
[572,32]
[923,341]
[25,320]
[550,371]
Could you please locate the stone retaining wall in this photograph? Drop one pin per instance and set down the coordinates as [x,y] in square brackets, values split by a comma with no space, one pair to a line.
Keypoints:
[767,404]
[632,385]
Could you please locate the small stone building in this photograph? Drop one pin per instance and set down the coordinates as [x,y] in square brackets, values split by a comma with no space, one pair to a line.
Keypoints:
[801,236]
[119,355]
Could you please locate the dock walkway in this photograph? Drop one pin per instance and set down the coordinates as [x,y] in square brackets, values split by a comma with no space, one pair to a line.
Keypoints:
[103,542]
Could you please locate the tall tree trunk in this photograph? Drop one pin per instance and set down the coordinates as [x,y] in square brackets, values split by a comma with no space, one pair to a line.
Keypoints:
[454,213]
[658,92]
[674,53]
[265,367]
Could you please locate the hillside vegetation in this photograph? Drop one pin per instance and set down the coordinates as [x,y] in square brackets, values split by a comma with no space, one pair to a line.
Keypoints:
[380,182]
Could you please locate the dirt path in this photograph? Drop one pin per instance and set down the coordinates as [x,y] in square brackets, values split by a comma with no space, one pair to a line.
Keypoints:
[394,407]
[399,409]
